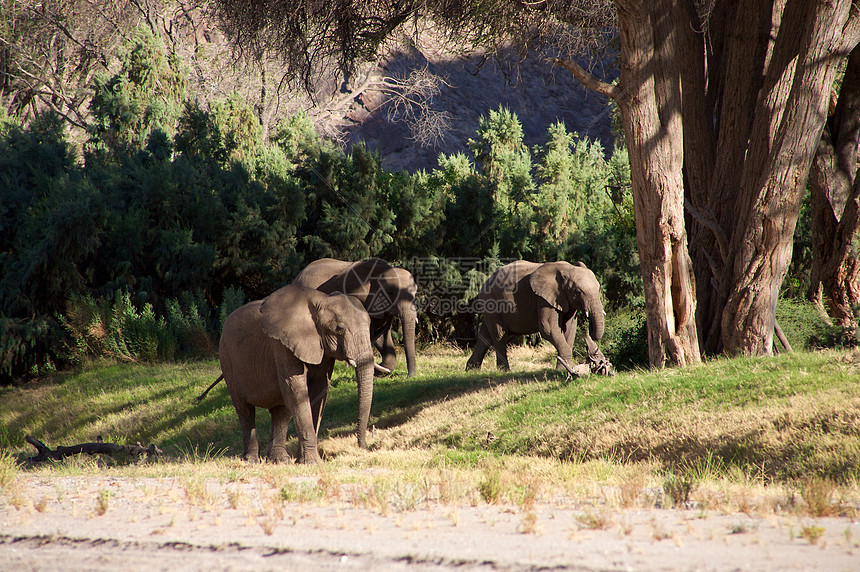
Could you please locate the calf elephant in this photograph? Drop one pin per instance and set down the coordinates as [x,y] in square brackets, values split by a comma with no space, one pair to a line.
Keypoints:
[385,291]
[278,354]
[527,297]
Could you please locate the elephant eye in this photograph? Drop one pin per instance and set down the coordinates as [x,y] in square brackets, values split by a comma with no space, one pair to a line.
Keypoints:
[340,329]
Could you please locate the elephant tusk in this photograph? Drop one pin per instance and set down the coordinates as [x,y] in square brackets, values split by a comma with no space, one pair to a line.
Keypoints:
[381,369]
[586,314]
[351,363]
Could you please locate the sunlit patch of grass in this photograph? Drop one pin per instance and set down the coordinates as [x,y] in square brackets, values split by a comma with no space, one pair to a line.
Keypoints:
[302,492]
[195,454]
[491,486]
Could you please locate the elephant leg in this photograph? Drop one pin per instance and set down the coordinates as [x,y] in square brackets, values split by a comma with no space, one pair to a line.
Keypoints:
[501,347]
[482,344]
[569,337]
[297,398]
[570,330]
[278,441]
[248,425]
[549,329]
[318,384]
[386,348]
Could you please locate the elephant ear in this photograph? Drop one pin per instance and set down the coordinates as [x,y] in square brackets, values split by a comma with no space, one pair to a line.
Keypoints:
[288,316]
[546,282]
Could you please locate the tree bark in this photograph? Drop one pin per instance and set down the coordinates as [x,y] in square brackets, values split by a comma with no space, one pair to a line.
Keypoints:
[835,273]
[770,67]
[650,105]
[800,66]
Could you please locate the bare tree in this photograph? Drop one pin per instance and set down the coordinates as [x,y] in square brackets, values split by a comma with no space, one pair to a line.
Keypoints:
[52,50]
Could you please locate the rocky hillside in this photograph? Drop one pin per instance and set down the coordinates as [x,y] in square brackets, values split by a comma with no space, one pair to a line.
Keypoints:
[536,91]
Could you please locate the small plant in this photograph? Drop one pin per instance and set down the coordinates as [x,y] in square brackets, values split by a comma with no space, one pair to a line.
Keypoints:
[268,522]
[235,497]
[817,494]
[329,485]
[8,470]
[631,489]
[102,502]
[197,494]
[529,494]
[528,524]
[451,489]
[491,486]
[812,533]
[594,520]
[678,488]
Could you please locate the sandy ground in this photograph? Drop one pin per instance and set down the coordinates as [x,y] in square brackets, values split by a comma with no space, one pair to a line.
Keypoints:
[89,523]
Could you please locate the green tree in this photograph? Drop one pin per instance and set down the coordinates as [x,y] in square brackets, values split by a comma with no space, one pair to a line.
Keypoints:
[348,212]
[50,218]
[145,95]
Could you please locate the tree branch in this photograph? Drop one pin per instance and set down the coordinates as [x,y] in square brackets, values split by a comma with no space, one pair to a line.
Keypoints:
[118,452]
[719,234]
[588,80]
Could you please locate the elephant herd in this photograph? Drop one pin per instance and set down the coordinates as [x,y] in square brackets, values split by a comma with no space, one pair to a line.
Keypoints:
[278,353]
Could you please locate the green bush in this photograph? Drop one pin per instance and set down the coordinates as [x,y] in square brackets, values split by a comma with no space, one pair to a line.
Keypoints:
[806,328]
[625,342]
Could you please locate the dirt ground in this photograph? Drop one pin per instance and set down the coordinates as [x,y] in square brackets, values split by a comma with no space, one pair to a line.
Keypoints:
[90,523]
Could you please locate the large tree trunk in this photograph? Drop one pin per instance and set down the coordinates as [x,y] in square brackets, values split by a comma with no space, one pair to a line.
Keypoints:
[771,65]
[649,100]
[833,189]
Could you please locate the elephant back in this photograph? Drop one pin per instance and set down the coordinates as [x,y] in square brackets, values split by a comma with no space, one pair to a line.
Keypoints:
[508,278]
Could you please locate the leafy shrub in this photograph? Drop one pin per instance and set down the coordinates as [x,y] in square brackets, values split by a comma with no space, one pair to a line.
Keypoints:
[115,328]
[806,328]
[625,342]
[233,299]
[189,319]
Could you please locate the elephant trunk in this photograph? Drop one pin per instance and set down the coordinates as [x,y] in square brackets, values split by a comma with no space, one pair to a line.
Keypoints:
[364,381]
[595,320]
[408,316]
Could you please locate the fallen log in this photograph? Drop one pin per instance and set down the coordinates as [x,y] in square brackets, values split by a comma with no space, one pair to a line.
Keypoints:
[118,452]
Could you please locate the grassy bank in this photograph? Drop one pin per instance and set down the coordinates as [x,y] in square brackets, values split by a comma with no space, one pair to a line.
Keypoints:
[785,418]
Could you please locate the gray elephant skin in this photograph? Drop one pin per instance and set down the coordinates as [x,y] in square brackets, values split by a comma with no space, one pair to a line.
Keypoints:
[384,290]
[528,297]
[278,353]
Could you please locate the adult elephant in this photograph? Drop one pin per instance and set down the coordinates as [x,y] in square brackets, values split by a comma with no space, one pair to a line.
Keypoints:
[278,353]
[527,297]
[385,291]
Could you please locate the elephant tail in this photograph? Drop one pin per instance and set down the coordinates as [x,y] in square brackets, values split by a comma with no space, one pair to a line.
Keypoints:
[208,389]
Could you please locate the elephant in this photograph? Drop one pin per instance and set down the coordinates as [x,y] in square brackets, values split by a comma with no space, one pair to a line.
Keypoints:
[527,297]
[385,291]
[278,353]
